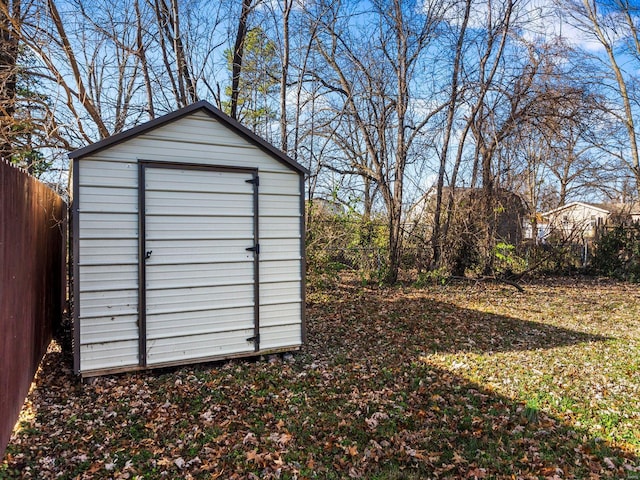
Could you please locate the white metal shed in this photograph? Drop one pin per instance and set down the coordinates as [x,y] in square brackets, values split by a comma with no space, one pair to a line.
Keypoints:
[187,245]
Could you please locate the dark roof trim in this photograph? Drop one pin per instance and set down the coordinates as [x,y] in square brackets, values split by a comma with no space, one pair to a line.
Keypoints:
[170,117]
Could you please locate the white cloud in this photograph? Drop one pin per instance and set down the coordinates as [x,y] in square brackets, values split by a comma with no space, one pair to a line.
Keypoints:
[539,19]
[546,20]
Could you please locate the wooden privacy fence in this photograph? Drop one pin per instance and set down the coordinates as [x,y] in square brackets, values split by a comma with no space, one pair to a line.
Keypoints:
[32,285]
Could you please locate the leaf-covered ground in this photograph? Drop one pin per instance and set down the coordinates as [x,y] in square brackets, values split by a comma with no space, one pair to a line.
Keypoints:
[463,381]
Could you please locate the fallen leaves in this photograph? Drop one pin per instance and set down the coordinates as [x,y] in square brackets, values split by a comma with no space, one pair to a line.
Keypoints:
[453,382]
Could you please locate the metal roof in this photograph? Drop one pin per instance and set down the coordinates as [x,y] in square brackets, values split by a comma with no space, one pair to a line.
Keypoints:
[170,117]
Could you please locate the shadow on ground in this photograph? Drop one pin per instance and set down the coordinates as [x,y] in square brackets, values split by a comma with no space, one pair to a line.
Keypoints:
[355,403]
[393,323]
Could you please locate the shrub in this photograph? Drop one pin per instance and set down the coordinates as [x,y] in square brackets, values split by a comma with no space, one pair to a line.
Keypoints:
[617,253]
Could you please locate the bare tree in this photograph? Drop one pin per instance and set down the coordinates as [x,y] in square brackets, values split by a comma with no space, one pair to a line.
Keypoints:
[172,48]
[104,67]
[287,6]
[371,87]
[614,23]
[436,238]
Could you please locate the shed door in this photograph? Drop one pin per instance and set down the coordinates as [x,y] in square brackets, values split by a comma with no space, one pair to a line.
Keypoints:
[199,263]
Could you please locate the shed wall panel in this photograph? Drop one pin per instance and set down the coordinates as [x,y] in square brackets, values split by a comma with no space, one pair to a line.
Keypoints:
[198,298]
[279,249]
[199,126]
[279,227]
[280,271]
[281,314]
[119,173]
[167,325]
[195,251]
[279,183]
[112,251]
[283,335]
[279,206]
[104,355]
[169,350]
[194,152]
[109,199]
[109,329]
[280,292]
[102,303]
[108,225]
[108,277]
[189,227]
[179,275]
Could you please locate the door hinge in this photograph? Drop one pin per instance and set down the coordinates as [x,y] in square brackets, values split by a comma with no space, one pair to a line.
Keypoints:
[255,339]
[256,248]
[255,181]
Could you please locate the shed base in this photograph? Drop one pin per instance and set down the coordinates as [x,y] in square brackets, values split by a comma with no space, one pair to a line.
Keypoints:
[215,358]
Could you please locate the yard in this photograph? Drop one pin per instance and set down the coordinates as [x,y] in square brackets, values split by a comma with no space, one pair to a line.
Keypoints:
[456,381]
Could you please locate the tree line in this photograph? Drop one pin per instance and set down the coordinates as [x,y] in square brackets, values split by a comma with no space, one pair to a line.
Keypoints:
[394,106]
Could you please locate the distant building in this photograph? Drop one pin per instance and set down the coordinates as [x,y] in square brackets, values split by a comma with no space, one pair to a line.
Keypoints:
[581,220]
[509,212]
[538,223]
[575,220]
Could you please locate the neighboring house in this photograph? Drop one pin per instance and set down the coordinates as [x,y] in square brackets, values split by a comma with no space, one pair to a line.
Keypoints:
[581,220]
[625,213]
[575,220]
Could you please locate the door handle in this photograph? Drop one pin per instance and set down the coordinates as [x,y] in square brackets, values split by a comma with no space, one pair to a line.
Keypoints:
[148,254]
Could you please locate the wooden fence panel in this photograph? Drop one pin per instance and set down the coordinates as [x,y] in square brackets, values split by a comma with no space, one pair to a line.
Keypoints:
[32,286]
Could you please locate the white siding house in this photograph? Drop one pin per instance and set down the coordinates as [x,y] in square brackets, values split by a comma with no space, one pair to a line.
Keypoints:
[187,245]
[575,220]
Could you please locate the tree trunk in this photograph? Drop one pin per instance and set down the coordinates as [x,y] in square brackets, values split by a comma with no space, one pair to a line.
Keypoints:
[488,220]
[436,239]
[284,74]
[395,244]
[141,53]
[9,16]
[238,51]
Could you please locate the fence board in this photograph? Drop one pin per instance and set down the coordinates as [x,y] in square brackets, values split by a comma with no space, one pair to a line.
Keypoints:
[32,286]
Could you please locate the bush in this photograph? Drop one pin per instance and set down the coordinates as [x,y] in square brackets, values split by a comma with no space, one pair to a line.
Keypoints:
[617,253]
[343,240]
[508,262]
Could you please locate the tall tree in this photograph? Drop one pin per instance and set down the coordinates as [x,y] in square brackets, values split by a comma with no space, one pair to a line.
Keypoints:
[613,24]
[238,52]
[171,43]
[257,82]
[372,80]
[287,6]
[437,237]
[9,37]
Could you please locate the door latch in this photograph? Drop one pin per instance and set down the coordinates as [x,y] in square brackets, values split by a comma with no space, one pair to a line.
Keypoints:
[148,254]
